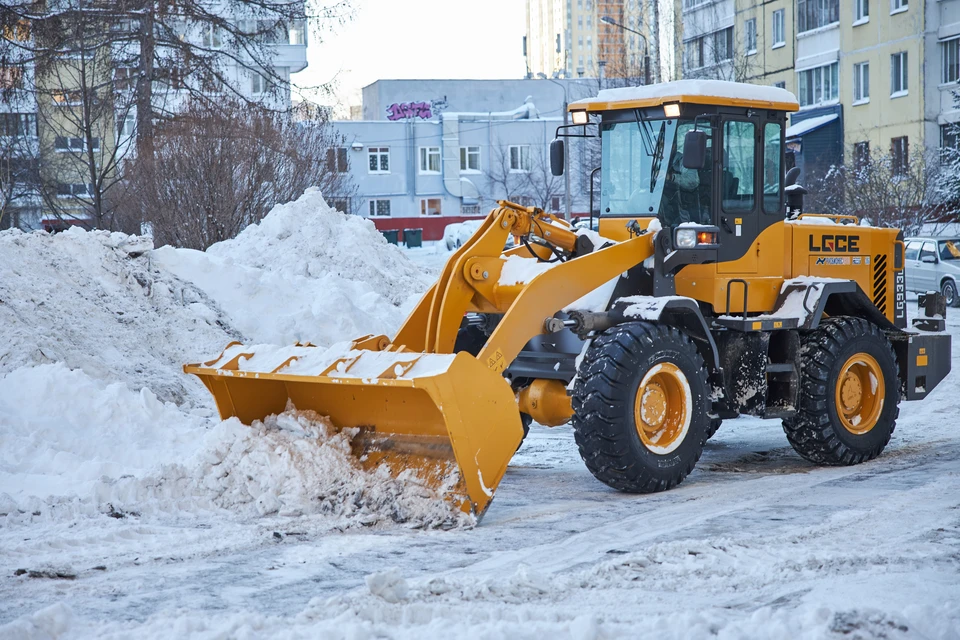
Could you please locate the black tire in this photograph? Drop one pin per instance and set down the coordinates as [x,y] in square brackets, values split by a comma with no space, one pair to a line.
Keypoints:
[605,412]
[817,432]
[713,427]
[949,291]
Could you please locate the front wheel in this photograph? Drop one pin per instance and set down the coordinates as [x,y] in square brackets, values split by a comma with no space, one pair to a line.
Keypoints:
[640,407]
[849,391]
[949,291]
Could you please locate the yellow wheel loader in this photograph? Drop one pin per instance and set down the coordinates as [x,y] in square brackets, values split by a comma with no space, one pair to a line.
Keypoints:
[707,294]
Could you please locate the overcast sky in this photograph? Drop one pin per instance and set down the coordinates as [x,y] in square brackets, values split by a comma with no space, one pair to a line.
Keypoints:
[419,39]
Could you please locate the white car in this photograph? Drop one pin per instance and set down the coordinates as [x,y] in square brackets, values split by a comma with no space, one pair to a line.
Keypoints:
[450,235]
[933,264]
[454,235]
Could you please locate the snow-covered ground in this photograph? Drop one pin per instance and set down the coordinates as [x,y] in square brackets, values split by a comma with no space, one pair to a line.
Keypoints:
[130,512]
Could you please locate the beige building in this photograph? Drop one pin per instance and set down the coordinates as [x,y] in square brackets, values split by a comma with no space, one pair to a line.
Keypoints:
[881,74]
[568,38]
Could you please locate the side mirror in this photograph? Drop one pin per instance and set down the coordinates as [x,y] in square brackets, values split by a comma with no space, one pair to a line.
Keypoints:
[556,157]
[694,149]
[929,259]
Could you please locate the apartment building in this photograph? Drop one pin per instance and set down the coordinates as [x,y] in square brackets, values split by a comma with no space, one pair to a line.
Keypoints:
[79,104]
[19,146]
[709,46]
[589,38]
[873,77]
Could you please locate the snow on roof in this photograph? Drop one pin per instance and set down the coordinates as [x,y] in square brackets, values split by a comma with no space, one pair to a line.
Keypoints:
[684,90]
[806,126]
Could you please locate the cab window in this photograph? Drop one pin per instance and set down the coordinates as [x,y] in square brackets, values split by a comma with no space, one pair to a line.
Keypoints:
[739,163]
[928,249]
[912,251]
[772,169]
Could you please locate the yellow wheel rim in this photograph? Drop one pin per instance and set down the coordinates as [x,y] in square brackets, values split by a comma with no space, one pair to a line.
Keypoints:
[662,408]
[860,393]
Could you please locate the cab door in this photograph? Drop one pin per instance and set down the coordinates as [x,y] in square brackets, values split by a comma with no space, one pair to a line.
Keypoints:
[739,209]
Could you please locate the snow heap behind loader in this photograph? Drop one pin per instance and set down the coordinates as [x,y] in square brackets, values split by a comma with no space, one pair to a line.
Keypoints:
[707,294]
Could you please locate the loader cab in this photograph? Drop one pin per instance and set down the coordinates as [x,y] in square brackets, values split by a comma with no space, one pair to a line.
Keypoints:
[737,187]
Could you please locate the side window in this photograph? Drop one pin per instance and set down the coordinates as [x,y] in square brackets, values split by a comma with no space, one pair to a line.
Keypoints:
[929,249]
[913,251]
[772,169]
[739,163]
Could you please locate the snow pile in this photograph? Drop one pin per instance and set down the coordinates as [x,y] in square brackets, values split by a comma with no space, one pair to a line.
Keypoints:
[95,301]
[293,464]
[311,239]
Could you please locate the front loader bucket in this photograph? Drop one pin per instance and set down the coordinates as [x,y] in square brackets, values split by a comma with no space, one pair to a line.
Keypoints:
[447,418]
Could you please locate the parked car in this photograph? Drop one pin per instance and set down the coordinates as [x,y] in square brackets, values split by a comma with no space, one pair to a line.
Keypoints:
[454,235]
[450,235]
[933,264]
[587,223]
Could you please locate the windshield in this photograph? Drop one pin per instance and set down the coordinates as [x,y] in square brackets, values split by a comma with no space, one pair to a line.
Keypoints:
[643,172]
[950,249]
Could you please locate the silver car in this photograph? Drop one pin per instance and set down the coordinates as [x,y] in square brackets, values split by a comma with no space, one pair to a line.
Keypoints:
[933,264]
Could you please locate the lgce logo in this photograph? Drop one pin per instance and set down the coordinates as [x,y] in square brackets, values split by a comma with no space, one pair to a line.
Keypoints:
[835,244]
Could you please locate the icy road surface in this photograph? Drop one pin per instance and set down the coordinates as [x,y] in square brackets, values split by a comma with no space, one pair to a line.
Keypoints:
[756,543]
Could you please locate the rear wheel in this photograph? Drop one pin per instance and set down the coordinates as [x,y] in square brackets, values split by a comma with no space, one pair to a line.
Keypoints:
[640,407]
[949,291]
[849,391]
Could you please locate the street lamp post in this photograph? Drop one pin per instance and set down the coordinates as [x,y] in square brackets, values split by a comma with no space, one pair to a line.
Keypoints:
[566,154]
[646,56]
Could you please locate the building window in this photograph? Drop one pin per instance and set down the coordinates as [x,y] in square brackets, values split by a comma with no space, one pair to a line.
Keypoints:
[861,155]
[129,126]
[340,204]
[258,84]
[124,78]
[780,85]
[899,156]
[379,208]
[896,6]
[723,45]
[18,124]
[469,158]
[520,158]
[861,11]
[813,14]
[555,204]
[898,74]
[751,36]
[778,38]
[430,207]
[65,190]
[62,144]
[429,159]
[950,61]
[693,51]
[19,32]
[11,77]
[691,4]
[949,142]
[337,160]
[210,36]
[378,160]
[861,83]
[298,32]
[818,85]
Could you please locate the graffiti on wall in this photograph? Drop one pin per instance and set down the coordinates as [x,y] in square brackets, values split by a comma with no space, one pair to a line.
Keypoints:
[422,110]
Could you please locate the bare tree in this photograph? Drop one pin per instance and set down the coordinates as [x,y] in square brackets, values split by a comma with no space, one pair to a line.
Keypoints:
[214,173]
[521,173]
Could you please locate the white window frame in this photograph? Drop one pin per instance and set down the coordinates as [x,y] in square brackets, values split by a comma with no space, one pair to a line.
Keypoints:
[945,51]
[861,89]
[374,208]
[425,205]
[751,29]
[523,162]
[426,153]
[466,154]
[380,153]
[210,36]
[861,12]
[899,6]
[899,85]
[70,148]
[258,83]
[824,73]
[778,29]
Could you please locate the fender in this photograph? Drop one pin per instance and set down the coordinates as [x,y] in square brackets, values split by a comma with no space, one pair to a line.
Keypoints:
[808,299]
[675,311]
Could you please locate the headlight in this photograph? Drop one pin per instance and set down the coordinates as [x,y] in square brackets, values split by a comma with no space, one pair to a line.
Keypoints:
[686,238]
[579,117]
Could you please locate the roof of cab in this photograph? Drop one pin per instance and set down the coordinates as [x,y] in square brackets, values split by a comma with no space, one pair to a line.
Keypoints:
[715,92]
